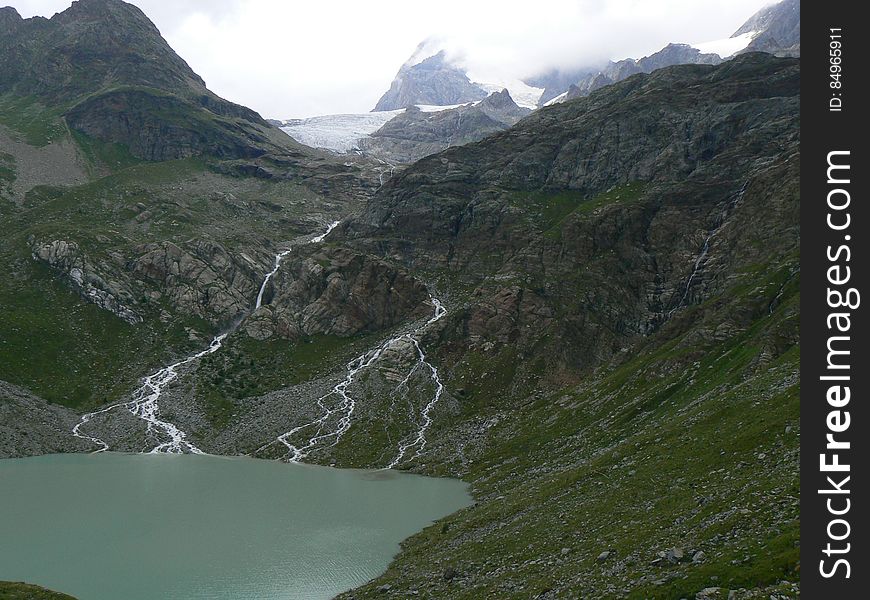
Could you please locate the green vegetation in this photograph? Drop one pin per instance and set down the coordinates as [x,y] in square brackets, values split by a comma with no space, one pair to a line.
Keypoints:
[246,367]
[549,209]
[621,194]
[110,156]
[68,350]
[24,591]
[689,444]
[39,125]
[7,168]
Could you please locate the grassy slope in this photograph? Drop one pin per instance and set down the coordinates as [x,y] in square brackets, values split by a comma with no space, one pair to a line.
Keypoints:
[24,591]
[691,443]
[67,350]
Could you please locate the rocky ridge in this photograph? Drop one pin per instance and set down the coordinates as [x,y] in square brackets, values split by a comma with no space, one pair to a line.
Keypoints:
[415,134]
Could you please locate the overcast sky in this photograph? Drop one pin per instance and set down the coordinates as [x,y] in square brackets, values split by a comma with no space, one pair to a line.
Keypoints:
[296,59]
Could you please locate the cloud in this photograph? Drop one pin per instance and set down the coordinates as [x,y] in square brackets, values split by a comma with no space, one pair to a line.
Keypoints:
[295,59]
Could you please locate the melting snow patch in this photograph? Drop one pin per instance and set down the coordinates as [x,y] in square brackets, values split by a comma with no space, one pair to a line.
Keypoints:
[728,46]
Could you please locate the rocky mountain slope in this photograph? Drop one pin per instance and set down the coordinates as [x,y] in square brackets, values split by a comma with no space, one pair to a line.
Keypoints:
[400,137]
[414,133]
[126,184]
[672,54]
[776,29]
[619,356]
[624,275]
[430,76]
[104,66]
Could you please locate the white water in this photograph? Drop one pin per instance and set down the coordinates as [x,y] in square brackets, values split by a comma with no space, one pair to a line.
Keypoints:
[419,441]
[144,404]
[280,257]
[701,260]
[326,436]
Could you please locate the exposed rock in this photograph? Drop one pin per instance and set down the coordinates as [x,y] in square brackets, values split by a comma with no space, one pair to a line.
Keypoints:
[414,134]
[137,119]
[432,80]
[203,278]
[337,293]
[508,215]
[675,555]
[777,29]
[672,54]
[91,281]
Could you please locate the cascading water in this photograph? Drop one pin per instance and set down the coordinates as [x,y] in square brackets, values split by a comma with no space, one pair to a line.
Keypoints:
[328,429]
[144,404]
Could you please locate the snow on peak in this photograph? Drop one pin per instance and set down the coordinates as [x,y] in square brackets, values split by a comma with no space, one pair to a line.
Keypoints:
[557,100]
[522,93]
[728,46]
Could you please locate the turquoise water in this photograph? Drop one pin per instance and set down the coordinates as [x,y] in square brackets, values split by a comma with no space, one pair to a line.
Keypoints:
[153,527]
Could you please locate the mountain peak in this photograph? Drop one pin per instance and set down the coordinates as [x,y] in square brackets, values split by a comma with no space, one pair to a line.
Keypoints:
[775,29]
[500,100]
[103,11]
[428,78]
[111,43]
[9,19]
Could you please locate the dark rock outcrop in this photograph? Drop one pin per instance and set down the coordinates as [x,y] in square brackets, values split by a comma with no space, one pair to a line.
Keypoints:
[336,292]
[162,127]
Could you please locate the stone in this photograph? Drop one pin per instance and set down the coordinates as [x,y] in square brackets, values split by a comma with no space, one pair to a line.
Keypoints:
[675,555]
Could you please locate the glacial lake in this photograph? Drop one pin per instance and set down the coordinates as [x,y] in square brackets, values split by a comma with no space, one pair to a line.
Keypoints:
[145,527]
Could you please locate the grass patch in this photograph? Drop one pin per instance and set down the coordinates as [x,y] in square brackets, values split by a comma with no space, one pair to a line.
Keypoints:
[69,351]
[549,210]
[111,156]
[36,123]
[247,367]
[23,591]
